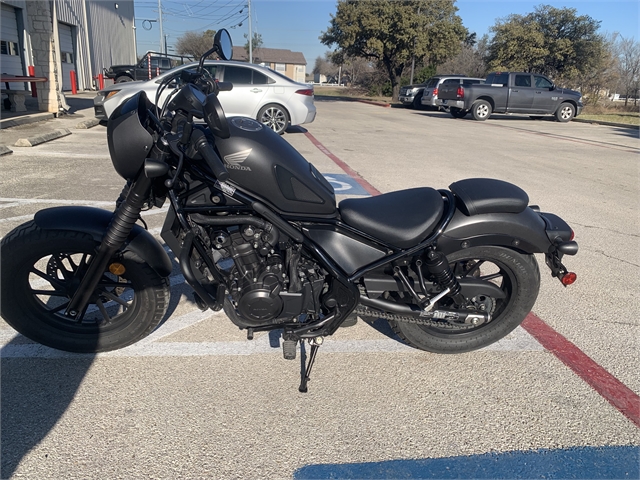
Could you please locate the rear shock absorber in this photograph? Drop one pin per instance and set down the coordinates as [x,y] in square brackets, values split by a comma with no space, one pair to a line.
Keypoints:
[438,266]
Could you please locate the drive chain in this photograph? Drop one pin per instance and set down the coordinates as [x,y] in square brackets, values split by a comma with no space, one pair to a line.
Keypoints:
[367,312]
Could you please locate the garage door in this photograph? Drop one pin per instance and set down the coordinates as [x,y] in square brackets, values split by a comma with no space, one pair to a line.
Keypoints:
[65,32]
[9,46]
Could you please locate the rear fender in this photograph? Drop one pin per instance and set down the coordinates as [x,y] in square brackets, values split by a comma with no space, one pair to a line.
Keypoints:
[524,231]
[94,222]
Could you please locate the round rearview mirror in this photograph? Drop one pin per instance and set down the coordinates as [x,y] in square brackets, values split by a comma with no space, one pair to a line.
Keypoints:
[222,41]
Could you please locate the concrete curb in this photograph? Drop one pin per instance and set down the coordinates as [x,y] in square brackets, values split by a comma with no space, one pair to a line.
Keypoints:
[609,124]
[5,150]
[45,137]
[352,99]
[92,122]
[26,119]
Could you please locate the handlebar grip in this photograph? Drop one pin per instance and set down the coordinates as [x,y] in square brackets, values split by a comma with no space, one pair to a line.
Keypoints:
[210,156]
[225,86]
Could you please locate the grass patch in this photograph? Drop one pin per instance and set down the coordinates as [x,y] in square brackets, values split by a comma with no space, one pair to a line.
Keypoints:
[332,91]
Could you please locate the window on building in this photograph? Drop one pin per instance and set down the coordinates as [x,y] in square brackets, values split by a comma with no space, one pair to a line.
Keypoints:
[66,57]
[281,67]
[8,48]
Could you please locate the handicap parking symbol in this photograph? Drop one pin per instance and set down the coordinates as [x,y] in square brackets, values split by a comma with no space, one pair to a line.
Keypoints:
[344,184]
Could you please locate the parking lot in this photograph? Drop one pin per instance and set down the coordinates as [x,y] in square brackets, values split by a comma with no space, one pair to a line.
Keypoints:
[197,400]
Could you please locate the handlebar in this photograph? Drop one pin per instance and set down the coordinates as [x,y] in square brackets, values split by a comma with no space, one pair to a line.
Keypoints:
[207,152]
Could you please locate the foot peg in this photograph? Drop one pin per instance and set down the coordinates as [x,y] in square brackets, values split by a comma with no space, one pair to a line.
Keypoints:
[289,349]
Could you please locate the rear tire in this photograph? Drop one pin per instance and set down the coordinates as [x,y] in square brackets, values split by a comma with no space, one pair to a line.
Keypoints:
[458,112]
[275,117]
[41,270]
[520,280]
[481,110]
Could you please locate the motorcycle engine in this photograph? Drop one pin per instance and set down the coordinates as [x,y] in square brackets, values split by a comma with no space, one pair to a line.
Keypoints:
[267,284]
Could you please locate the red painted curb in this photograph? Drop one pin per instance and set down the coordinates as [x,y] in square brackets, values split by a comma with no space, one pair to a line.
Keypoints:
[613,390]
[351,172]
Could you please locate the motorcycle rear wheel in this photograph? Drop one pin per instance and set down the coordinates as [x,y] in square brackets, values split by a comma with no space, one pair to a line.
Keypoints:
[516,274]
[41,270]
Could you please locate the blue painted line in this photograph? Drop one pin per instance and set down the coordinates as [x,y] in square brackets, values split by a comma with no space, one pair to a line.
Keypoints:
[579,462]
[344,184]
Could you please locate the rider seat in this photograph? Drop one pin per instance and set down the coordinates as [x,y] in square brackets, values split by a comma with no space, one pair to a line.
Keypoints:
[402,219]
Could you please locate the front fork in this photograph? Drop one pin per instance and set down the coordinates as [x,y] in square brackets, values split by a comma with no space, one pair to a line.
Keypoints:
[122,223]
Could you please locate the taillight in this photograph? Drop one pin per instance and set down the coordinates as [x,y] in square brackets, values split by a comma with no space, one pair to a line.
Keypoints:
[460,93]
[568,278]
[306,91]
[435,91]
[573,235]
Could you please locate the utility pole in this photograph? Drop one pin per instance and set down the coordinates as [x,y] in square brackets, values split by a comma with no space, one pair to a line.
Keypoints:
[160,22]
[250,36]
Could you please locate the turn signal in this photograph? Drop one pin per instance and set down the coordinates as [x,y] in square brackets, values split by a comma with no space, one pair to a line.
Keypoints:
[568,278]
[117,269]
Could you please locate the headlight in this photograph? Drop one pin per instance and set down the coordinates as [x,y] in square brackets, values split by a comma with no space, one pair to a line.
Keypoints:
[111,94]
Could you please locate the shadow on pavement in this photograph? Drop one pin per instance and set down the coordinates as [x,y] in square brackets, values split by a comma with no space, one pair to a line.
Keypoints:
[35,393]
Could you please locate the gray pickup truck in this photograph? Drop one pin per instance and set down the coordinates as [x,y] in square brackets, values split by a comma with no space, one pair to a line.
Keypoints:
[512,92]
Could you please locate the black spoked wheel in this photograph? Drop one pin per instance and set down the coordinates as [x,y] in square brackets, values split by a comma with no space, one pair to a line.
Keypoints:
[516,275]
[41,271]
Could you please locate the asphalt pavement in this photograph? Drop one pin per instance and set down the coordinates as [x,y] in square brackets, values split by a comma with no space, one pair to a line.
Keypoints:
[197,400]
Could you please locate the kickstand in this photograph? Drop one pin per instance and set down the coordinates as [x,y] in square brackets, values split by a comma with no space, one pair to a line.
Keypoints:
[307,371]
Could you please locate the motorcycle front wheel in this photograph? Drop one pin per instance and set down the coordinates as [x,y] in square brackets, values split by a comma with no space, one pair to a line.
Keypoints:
[41,269]
[516,274]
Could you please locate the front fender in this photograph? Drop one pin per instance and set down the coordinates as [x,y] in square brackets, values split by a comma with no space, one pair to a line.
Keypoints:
[94,221]
[524,231]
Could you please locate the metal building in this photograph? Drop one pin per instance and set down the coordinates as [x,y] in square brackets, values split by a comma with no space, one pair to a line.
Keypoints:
[85,37]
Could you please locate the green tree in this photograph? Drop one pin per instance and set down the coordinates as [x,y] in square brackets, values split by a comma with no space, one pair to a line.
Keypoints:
[392,32]
[195,43]
[256,42]
[553,41]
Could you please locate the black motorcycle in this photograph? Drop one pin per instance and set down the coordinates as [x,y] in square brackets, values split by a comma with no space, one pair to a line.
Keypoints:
[257,232]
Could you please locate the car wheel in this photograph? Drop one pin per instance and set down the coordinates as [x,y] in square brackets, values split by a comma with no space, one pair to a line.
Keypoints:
[417,102]
[275,117]
[481,110]
[123,78]
[565,112]
[458,112]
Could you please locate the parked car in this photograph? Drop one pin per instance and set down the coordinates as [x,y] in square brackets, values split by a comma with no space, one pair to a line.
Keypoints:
[150,66]
[430,95]
[453,82]
[410,95]
[513,92]
[258,92]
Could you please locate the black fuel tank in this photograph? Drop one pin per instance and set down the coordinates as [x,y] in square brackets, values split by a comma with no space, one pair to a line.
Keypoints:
[262,162]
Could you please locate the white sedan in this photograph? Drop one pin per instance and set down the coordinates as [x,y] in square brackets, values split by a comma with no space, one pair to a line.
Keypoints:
[258,92]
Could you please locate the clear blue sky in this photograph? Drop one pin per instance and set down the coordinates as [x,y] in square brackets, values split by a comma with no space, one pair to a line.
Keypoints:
[297,24]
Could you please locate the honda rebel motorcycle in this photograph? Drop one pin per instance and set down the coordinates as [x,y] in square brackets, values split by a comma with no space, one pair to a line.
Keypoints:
[257,233]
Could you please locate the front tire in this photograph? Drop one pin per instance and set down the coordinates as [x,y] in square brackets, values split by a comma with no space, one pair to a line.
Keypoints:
[481,110]
[41,270]
[516,274]
[275,117]
[565,113]
[123,78]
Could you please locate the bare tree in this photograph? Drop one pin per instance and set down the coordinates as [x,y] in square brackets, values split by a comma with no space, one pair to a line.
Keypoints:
[628,55]
[195,43]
